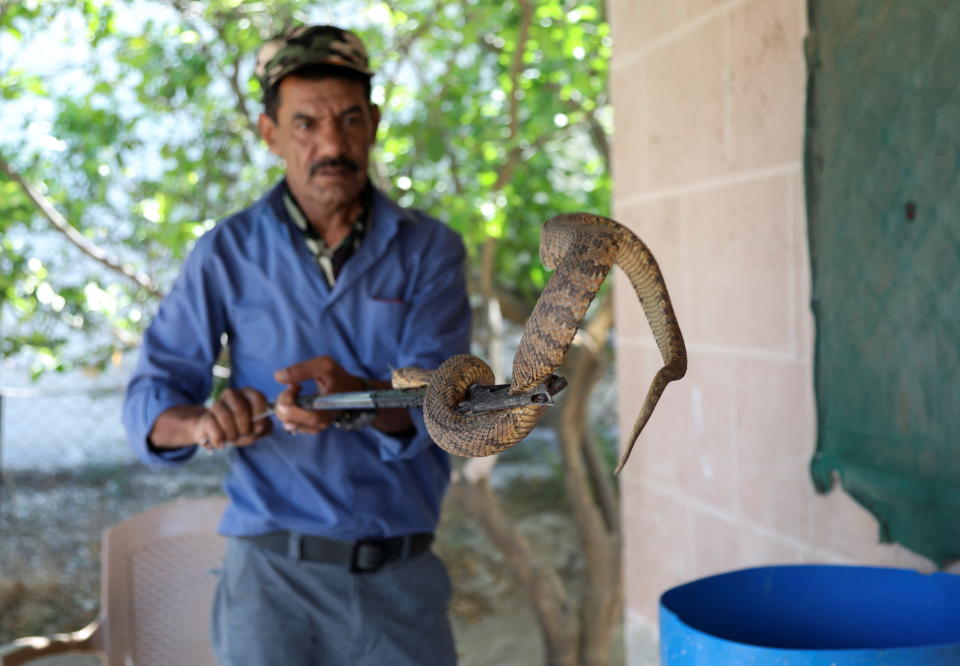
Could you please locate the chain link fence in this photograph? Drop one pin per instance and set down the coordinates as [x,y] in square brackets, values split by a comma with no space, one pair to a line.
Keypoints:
[60,428]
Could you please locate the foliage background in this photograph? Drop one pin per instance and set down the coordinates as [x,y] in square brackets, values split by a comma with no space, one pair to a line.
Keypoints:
[129,129]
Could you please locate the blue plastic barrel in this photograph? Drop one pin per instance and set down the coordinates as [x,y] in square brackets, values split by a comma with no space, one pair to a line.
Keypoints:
[813,615]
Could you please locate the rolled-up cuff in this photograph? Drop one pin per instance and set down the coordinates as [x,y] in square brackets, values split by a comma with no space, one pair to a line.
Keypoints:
[154,404]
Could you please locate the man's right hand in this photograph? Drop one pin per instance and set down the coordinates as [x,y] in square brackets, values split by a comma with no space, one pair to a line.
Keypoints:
[229,420]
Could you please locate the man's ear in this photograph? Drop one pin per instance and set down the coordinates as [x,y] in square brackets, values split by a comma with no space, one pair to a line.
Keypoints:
[268,130]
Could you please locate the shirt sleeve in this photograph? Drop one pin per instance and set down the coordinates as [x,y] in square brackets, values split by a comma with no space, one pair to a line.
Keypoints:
[437,327]
[177,355]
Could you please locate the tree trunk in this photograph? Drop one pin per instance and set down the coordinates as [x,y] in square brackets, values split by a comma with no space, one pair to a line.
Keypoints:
[601,603]
[553,609]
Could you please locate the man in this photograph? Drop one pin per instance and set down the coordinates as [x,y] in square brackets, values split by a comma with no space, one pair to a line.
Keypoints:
[323,281]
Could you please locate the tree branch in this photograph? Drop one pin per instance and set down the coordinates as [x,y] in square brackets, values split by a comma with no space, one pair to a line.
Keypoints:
[514,157]
[234,79]
[403,50]
[505,172]
[572,423]
[493,314]
[512,307]
[598,136]
[516,65]
[60,223]
[232,76]
[599,476]
[455,173]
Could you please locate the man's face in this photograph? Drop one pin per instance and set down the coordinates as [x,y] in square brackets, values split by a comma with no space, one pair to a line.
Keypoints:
[324,131]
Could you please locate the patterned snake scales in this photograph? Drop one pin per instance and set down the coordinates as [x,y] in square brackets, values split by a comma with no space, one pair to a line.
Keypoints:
[581,249]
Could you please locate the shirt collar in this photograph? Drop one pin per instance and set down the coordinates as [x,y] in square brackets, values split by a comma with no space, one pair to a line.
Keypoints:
[329,259]
[299,218]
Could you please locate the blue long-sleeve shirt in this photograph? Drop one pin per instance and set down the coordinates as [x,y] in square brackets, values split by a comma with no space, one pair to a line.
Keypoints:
[400,300]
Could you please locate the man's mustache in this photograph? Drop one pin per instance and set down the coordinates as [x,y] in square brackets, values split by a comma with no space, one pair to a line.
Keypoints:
[335,162]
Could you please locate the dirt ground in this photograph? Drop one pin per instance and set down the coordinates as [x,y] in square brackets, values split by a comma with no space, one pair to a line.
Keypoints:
[49,553]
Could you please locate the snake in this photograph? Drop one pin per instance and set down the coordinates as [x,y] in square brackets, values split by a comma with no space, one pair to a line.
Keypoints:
[580,249]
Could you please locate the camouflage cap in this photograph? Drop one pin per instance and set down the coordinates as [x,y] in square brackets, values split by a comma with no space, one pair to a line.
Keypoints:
[310,45]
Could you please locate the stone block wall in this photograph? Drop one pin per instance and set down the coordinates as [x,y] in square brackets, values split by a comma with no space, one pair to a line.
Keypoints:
[709,102]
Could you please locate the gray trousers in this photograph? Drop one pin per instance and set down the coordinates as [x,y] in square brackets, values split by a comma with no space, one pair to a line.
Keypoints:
[271,610]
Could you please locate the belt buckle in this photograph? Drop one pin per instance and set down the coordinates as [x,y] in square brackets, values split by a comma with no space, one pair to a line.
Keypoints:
[368,556]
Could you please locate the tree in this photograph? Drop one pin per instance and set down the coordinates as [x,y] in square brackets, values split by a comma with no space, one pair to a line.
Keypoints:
[495,119]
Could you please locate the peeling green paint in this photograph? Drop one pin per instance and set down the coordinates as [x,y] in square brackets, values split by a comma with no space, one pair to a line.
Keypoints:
[883,199]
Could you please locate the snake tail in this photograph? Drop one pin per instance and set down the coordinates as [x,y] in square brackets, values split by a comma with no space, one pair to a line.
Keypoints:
[641,268]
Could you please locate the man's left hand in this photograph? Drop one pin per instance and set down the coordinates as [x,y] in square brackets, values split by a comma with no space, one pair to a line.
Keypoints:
[329,376]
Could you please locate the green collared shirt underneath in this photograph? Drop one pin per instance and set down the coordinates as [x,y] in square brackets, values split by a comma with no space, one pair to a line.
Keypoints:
[329,259]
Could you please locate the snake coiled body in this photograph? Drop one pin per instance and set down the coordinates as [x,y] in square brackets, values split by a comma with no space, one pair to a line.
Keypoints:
[581,249]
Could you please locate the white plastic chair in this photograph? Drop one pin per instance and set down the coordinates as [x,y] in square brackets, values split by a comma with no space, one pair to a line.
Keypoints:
[157,584]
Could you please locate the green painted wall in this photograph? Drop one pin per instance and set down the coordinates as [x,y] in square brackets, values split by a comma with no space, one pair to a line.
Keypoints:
[883,199]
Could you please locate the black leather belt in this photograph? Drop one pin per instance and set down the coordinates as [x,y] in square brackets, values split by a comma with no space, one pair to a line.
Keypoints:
[362,556]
